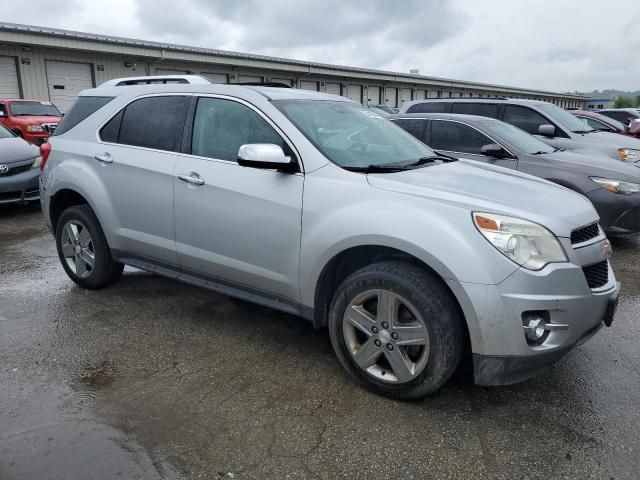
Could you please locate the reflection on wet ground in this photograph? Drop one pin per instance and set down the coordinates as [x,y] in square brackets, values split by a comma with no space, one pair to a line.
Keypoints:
[154,379]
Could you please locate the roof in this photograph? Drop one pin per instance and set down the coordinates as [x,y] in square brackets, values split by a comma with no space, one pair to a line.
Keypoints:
[451,116]
[162,47]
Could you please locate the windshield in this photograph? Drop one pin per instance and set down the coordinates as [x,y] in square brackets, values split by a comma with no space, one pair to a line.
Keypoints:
[36,109]
[351,135]
[4,133]
[520,139]
[564,118]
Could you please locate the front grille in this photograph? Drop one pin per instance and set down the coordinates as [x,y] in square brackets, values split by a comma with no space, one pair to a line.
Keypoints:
[584,234]
[50,127]
[597,274]
[16,170]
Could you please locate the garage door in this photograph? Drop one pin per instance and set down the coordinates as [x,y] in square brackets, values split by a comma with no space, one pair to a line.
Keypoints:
[391,97]
[405,95]
[307,85]
[66,80]
[333,88]
[167,71]
[421,94]
[249,79]
[9,87]
[216,77]
[354,92]
[286,81]
[373,95]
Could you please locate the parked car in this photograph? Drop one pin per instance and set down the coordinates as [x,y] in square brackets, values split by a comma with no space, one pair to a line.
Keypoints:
[383,110]
[19,172]
[32,120]
[548,122]
[612,186]
[624,115]
[308,203]
[601,122]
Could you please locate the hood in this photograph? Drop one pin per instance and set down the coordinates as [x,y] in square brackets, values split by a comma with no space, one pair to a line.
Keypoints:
[594,165]
[15,150]
[34,120]
[476,186]
[609,139]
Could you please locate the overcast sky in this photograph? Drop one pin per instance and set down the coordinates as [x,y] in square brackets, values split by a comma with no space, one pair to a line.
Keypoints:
[561,45]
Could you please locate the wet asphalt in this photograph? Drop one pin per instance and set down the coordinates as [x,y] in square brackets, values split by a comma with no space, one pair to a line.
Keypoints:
[154,379]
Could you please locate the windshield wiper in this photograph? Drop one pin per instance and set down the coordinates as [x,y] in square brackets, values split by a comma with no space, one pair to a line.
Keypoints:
[431,159]
[382,168]
[583,131]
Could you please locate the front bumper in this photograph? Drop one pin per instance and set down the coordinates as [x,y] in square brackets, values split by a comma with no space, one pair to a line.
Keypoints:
[619,214]
[20,188]
[495,313]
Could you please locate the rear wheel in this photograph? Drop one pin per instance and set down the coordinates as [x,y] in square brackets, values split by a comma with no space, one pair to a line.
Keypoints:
[396,329]
[83,249]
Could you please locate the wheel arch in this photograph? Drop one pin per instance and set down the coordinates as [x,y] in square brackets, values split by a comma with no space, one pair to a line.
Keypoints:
[351,259]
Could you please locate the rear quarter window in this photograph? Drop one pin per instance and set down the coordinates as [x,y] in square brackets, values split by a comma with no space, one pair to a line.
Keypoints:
[428,107]
[481,109]
[79,111]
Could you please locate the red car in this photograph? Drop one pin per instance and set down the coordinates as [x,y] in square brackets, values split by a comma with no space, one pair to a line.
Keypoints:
[33,120]
[602,122]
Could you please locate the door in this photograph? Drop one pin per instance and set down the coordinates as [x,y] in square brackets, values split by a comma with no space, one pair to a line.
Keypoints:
[66,80]
[216,77]
[136,163]
[308,85]
[333,88]
[354,92]
[373,96]
[237,224]
[405,95]
[391,97]
[9,87]
[249,79]
[460,140]
[529,120]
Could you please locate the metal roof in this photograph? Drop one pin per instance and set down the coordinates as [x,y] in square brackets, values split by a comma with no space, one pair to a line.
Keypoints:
[108,39]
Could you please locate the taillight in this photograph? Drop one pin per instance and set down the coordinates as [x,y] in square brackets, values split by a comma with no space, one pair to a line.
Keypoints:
[45,150]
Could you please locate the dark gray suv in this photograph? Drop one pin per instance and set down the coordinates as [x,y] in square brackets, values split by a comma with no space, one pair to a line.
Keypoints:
[612,186]
[548,122]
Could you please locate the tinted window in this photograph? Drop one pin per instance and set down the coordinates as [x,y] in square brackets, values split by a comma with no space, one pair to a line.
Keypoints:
[3,110]
[428,107]
[623,117]
[111,130]
[222,126]
[80,110]
[154,122]
[415,127]
[482,109]
[457,137]
[524,118]
[513,136]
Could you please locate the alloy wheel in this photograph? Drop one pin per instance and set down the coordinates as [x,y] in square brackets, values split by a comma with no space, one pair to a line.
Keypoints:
[77,248]
[386,336]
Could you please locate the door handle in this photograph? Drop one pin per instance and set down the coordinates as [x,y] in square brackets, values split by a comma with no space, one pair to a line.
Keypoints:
[193,178]
[104,158]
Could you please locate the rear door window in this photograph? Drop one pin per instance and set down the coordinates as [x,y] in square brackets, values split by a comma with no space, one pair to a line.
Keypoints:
[524,118]
[481,109]
[221,127]
[152,122]
[428,107]
[457,137]
[415,126]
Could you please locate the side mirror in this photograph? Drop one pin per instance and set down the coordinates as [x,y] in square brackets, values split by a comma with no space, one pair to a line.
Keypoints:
[494,150]
[265,155]
[547,130]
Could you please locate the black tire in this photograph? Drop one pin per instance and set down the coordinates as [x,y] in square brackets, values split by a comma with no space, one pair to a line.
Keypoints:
[105,270]
[432,300]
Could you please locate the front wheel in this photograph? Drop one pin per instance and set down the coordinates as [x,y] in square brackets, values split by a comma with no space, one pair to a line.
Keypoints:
[83,249]
[396,329]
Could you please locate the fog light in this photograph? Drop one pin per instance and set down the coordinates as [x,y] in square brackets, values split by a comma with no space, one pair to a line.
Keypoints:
[534,329]
[537,325]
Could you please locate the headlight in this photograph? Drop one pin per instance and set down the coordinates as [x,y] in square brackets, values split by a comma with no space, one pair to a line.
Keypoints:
[617,186]
[35,128]
[629,154]
[528,244]
[36,162]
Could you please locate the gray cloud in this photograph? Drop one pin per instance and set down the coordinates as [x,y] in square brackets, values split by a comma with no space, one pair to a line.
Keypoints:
[544,44]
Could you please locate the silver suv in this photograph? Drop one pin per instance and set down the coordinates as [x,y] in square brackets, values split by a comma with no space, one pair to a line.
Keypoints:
[314,205]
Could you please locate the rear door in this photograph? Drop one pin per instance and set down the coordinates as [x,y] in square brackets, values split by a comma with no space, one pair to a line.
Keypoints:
[237,224]
[136,161]
[460,140]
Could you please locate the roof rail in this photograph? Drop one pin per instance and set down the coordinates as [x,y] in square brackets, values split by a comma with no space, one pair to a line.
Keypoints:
[264,84]
[155,79]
